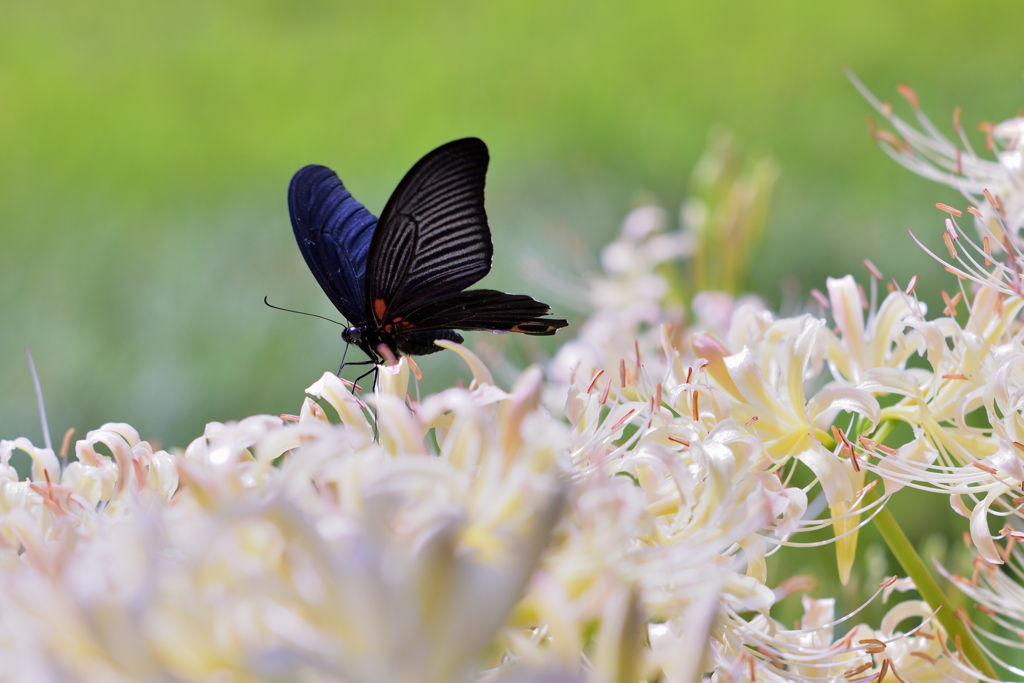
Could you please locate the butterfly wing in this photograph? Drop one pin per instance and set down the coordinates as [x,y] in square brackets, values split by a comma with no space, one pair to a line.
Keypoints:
[433,240]
[483,309]
[334,232]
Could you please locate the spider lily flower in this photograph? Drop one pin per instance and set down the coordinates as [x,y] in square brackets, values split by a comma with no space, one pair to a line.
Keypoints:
[651,274]
[345,561]
[476,539]
[978,365]
[926,151]
[996,592]
[859,347]
[810,652]
[766,381]
[977,264]
[790,425]
[720,479]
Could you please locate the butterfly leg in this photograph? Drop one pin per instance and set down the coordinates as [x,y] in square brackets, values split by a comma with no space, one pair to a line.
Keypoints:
[376,373]
[365,362]
[355,362]
[376,376]
[373,370]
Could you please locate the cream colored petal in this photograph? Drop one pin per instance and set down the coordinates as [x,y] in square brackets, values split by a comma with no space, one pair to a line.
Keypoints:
[845,526]
[44,461]
[331,389]
[394,379]
[743,369]
[849,317]
[884,329]
[480,372]
[980,533]
[399,431]
[831,473]
[891,380]
[835,397]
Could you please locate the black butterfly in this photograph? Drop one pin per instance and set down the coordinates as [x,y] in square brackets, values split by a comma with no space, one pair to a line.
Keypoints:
[399,281]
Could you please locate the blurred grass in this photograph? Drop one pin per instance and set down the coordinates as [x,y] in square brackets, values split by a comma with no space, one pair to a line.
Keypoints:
[145,149]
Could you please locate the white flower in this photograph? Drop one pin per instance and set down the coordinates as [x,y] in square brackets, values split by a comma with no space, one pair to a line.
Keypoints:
[350,561]
[925,150]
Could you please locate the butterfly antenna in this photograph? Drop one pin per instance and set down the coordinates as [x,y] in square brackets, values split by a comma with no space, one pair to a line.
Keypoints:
[39,400]
[311,315]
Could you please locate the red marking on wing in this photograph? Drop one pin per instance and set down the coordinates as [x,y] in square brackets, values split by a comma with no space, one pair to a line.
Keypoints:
[531,328]
[379,308]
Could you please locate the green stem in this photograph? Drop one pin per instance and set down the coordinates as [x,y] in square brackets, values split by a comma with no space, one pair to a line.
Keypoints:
[927,587]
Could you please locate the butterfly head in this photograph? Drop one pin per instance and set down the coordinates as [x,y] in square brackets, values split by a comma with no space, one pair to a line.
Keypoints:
[352,335]
[372,342]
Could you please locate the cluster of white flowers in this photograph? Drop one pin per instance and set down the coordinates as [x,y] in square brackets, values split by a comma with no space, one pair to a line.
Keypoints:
[276,549]
[479,535]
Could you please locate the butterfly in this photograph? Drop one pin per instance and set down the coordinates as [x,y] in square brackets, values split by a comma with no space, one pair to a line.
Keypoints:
[401,281]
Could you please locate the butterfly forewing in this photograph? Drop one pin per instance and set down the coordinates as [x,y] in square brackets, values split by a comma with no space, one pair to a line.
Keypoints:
[433,238]
[334,232]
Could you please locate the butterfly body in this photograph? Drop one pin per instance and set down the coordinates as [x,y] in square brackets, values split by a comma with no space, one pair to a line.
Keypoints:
[401,280]
[403,343]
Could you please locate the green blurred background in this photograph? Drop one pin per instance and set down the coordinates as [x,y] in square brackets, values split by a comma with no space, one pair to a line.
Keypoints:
[145,149]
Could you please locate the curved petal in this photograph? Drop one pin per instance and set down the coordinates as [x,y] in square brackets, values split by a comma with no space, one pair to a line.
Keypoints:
[830,471]
[835,397]
[891,381]
[480,372]
[849,317]
[980,534]
[330,388]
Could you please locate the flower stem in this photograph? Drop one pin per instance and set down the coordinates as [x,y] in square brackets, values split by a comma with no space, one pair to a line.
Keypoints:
[927,587]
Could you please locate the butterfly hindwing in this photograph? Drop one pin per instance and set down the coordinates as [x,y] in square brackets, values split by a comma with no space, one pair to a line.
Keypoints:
[483,309]
[432,240]
[334,232]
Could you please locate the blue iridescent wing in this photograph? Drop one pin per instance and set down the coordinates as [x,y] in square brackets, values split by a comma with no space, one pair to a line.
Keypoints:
[334,233]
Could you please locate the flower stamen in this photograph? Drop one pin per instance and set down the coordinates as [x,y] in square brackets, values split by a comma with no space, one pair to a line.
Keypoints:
[852,673]
[949,245]
[909,94]
[911,285]
[950,308]
[821,299]
[992,200]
